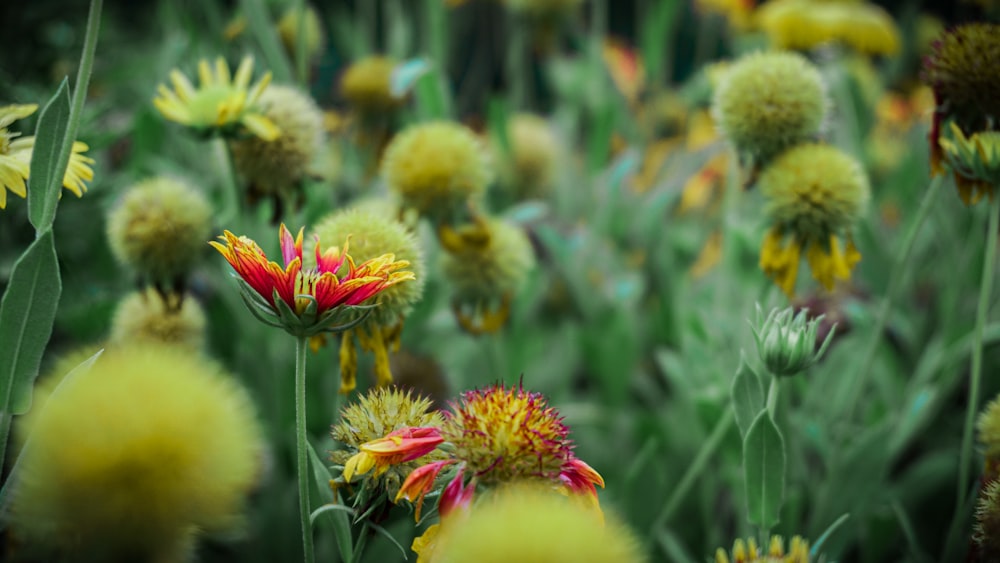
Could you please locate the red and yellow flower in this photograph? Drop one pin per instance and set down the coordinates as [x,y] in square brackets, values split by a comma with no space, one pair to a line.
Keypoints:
[306,300]
[399,446]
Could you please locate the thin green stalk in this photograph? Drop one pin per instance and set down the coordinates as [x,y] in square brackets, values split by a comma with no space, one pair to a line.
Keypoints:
[301,345]
[975,376]
[231,196]
[696,469]
[772,397]
[260,24]
[301,70]
[896,275]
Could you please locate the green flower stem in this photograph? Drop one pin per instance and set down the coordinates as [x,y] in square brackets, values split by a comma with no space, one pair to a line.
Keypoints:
[301,70]
[231,196]
[260,24]
[896,275]
[975,376]
[772,397]
[301,345]
[696,469]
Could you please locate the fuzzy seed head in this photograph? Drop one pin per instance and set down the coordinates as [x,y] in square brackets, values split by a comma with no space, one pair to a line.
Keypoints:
[505,434]
[372,235]
[805,24]
[377,413]
[484,274]
[279,166]
[144,316]
[768,102]
[986,531]
[964,72]
[530,169]
[127,461]
[988,426]
[815,191]
[366,85]
[436,168]
[159,228]
[527,523]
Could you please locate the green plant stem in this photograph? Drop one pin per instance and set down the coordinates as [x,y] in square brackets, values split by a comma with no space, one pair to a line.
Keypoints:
[772,397]
[696,469]
[231,196]
[301,70]
[260,24]
[896,275]
[975,375]
[302,454]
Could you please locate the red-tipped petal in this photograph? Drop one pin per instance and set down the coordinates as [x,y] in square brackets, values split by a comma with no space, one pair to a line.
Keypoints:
[290,248]
[419,482]
[457,495]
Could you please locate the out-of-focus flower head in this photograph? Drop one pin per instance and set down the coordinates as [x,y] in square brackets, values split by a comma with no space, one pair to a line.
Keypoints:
[165,445]
[486,264]
[749,552]
[499,435]
[529,169]
[964,72]
[437,168]
[148,316]
[372,235]
[739,13]
[371,420]
[815,194]
[277,167]
[768,102]
[366,85]
[312,27]
[306,301]
[221,104]
[15,157]
[159,229]
[986,530]
[805,24]
[522,522]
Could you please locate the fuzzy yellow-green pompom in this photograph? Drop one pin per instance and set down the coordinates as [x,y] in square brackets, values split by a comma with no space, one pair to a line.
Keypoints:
[279,166]
[497,269]
[815,191]
[159,228]
[436,168]
[377,413]
[529,523]
[366,85]
[145,316]
[988,426]
[129,460]
[986,531]
[749,552]
[964,71]
[372,235]
[805,24]
[767,102]
[529,170]
[312,26]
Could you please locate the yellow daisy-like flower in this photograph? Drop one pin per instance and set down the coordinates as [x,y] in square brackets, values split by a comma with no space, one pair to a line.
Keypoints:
[815,194]
[15,157]
[748,552]
[222,103]
[804,24]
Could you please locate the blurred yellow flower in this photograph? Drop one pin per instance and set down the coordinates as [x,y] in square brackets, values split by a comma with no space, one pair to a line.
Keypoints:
[748,552]
[804,24]
[15,157]
[221,103]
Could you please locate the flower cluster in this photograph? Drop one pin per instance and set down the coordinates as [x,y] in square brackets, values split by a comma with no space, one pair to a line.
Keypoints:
[748,552]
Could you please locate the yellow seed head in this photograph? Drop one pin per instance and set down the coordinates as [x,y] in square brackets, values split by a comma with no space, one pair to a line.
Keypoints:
[279,166]
[365,85]
[436,168]
[145,316]
[288,30]
[497,269]
[530,169]
[159,228]
[127,461]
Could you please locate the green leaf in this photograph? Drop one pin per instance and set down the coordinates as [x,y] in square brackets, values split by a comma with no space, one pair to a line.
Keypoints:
[764,471]
[748,395]
[47,171]
[340,521]
[27,313]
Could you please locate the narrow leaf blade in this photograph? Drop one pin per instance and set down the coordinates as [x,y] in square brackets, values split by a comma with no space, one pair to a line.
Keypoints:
[747,394]
[764,471]
[27,313]
[46,169]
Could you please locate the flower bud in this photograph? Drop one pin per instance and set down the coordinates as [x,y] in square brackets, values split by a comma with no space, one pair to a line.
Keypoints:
[786,342]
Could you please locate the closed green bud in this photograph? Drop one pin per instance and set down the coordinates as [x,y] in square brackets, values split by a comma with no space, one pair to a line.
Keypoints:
[786,342]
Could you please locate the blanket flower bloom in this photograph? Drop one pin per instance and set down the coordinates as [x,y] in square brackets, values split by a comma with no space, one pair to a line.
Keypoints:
[500,435]
[15,157]
[221,104]
[307,301]
[749,552]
